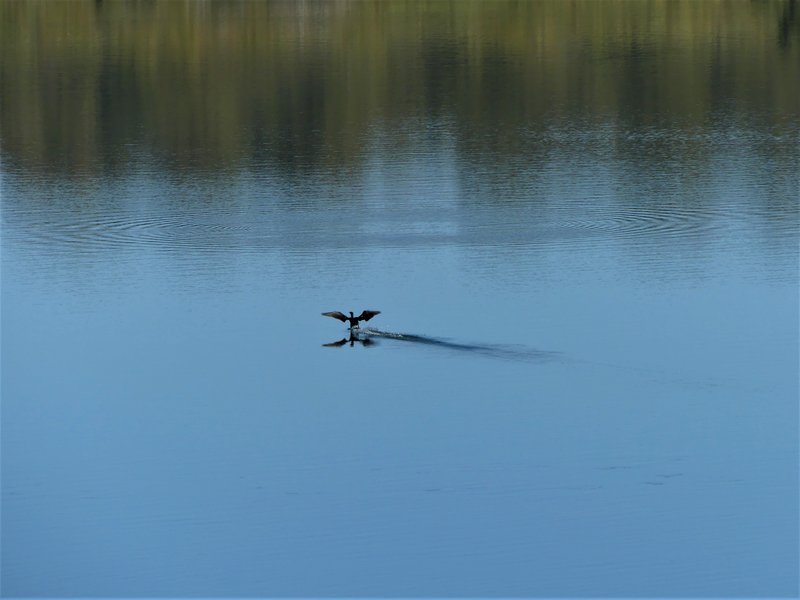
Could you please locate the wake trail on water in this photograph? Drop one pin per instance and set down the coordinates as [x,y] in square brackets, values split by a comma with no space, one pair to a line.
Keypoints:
[500,351]
[522,353]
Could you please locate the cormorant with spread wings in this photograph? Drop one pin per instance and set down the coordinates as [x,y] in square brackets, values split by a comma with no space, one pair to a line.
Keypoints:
[364,316]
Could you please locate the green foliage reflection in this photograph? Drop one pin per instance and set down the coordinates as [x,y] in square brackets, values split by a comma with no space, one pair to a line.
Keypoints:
[223,84]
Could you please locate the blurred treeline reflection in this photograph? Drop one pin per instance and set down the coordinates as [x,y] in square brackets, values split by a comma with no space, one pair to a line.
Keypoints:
[216,85]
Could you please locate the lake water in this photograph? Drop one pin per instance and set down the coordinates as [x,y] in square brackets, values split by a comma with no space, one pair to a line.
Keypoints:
[578,220]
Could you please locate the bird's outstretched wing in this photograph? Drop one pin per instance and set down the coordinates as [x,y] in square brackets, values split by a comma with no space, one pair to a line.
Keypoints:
[336,315]
[368,314]
[341,342]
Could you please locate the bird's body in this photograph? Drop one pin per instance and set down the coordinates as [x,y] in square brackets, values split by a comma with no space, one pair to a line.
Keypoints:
[364,316]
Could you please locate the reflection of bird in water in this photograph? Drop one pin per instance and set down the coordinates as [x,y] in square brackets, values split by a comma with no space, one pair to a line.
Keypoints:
[354,337]
[364,316]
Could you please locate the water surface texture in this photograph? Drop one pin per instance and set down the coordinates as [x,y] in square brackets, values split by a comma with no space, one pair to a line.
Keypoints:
[579,221]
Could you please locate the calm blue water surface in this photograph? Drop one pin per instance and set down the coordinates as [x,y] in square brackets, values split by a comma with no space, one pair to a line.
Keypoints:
[583,380]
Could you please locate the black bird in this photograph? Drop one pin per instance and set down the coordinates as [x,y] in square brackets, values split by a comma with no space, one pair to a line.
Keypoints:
[364,316]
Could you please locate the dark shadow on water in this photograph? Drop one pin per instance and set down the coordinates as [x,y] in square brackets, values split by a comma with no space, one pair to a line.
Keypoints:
[366,337]
[354,338]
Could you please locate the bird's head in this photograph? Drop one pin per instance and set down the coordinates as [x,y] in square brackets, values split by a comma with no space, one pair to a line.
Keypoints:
[351,314]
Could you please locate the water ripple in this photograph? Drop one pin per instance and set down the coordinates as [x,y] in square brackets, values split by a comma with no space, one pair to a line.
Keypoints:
[121,231]
[501,351]
[647,221]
